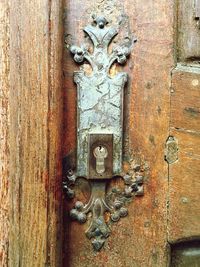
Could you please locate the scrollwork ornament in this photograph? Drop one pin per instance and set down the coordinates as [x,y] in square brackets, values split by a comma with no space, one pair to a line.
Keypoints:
[108,89]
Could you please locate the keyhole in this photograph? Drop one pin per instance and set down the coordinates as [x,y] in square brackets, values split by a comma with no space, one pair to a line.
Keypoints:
[100,153]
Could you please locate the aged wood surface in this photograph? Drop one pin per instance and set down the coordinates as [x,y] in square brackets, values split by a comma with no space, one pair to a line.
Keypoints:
[141,238]
[188,37]
[55,127]
[184,184]
[185,98]
[32,88]
[4,122]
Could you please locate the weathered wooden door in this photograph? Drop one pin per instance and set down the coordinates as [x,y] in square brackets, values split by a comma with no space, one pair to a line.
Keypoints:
[38,103]
[161,133]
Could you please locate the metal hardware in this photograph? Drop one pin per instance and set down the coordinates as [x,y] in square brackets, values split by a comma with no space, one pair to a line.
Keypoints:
[99,132]
[100,153]
[171,150]
[100,156]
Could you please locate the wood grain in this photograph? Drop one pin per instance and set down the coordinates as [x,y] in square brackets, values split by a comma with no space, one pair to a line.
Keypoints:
[184,185]
[185,98]
[55,128]
[188,37]
[184,188]
[141,238]
[33,92]
[4,125]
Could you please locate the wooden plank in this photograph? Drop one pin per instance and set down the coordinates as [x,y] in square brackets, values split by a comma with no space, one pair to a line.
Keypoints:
[184,185]
[54,245]
[28,133]
[188,38]
[140,239]
[35,123]
[185,98]
[4,122]
[184,188]
[197,9]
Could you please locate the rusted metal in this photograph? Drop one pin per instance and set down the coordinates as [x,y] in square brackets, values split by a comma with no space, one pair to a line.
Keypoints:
[99,133]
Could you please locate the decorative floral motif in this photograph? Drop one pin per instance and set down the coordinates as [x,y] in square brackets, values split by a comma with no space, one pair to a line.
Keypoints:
[79,53]
[71,178]
[101,36]
[100,202]
[101,61]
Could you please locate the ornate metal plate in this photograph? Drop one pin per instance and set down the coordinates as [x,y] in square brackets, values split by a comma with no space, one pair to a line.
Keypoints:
[99,132]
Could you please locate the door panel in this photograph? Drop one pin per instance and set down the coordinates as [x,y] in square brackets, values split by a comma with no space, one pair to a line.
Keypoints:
[161,133]
[184,183]
[185,101]
[188,20]
[141,238]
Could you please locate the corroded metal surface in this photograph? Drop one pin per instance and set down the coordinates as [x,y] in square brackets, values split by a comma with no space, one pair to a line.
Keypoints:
[100,97]
[99,131]
[100,202]
[145,131]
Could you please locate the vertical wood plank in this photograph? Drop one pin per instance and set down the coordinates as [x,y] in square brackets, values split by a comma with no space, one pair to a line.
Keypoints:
[184,184]
[4,119]
[148,125]
[55,137]
[35,132]
[188,37]
[29,133]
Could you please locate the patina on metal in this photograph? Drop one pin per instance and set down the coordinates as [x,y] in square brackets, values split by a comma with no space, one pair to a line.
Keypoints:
[100,132]
[100,97]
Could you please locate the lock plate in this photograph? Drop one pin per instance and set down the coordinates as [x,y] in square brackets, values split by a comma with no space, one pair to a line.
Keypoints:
[104,169]
[100,131]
